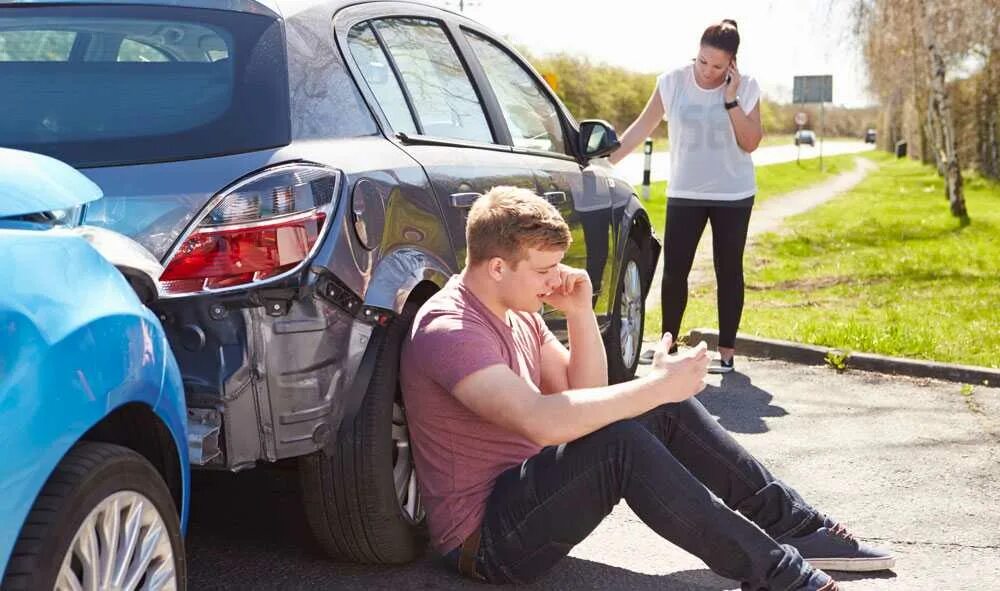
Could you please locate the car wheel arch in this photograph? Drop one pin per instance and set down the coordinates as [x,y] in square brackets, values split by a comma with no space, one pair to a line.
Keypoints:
[637,226]
[136,426]
[397,276]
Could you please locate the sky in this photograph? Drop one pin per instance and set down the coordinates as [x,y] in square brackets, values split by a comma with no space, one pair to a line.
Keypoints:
[779,38]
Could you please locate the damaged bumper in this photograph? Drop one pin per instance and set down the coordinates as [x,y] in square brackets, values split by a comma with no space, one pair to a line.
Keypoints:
[270,377]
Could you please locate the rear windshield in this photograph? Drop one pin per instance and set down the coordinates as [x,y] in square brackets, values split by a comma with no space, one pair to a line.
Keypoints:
[108,85]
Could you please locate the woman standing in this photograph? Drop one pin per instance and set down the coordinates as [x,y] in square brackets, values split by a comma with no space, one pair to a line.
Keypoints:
[714,123]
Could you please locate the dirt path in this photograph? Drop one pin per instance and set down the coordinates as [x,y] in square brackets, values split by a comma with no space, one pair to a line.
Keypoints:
[766,217]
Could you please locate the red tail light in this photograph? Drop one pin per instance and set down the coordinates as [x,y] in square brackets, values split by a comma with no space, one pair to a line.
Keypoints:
[263,227]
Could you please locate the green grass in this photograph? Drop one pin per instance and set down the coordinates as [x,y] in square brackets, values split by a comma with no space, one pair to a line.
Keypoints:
[884,269]
[772,180]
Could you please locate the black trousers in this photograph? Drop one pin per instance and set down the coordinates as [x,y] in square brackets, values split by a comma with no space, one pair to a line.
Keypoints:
[685,224]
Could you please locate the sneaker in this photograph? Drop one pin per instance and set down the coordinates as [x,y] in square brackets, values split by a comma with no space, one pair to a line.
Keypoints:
[720,366]
[821,578]
[831,547]
[818,581]
[647,357]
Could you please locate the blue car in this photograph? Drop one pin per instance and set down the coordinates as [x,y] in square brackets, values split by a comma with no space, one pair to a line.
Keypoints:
[93,447]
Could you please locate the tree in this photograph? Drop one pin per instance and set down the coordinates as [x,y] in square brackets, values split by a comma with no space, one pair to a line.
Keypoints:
[602,91]
[939,109]
[918,54]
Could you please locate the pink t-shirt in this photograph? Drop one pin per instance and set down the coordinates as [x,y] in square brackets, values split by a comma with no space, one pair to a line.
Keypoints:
[458,454]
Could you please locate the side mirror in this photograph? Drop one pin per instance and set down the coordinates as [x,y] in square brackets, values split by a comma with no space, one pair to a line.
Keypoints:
[597,138]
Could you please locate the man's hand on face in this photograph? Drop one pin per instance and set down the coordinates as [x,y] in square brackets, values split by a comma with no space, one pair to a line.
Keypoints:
[685,372]
[574,293]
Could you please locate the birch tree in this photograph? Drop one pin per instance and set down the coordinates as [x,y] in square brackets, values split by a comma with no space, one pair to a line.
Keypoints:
[939,108]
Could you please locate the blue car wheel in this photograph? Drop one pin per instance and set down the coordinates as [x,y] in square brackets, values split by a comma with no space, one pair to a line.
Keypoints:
[104,520]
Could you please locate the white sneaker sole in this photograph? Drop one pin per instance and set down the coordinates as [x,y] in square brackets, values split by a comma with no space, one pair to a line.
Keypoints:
[720,369]
[853,565]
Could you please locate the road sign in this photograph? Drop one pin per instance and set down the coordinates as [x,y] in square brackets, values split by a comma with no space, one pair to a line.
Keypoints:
[812,89]
[801,118]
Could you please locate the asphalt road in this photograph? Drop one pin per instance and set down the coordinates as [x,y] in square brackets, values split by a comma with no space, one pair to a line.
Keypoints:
[631,167]
[913,464]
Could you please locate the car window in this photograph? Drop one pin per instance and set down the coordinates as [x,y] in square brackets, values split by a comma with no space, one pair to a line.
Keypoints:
[121,84]
[36,46]
[135,51]
[443,96]
[532,118]
[375,69]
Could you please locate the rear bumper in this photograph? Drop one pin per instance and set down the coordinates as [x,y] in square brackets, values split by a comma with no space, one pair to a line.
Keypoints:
[268,379]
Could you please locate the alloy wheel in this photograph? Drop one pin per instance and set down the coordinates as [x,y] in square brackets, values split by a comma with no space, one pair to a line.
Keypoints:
[122,545]
[630,313]
[404,473]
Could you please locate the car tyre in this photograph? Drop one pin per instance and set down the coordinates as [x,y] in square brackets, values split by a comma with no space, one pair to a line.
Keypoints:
[623,339]
[362,502]
[101,499]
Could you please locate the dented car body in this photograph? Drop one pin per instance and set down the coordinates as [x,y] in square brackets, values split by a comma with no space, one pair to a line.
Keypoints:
[319,197]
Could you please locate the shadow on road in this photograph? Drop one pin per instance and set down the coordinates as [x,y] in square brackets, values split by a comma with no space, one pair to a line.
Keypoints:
[740,406]
[248,531]
[882,575]
[575,573]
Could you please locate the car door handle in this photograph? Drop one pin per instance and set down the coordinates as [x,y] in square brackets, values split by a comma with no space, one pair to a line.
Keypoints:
[464,200]
[555,197]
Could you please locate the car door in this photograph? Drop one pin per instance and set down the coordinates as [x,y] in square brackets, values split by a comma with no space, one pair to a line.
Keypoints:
[431,108]
[540,131]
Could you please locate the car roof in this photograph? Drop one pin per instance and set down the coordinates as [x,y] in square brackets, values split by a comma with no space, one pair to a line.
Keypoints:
[283,8]
[255,6]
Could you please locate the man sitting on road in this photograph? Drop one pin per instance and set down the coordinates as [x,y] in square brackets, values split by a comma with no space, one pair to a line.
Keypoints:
[523,448]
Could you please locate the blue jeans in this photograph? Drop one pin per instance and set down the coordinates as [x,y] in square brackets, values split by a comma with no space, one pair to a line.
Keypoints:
[681,473]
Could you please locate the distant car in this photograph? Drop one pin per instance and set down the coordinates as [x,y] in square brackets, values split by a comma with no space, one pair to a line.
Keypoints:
[870,136]
[93,426]
[805,136]
[303,170]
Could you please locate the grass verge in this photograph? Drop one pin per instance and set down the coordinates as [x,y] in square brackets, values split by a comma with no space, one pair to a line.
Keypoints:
[772,180]
[883,268]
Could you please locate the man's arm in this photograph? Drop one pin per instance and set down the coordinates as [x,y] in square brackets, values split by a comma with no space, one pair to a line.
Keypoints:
[585,364]
[502,397]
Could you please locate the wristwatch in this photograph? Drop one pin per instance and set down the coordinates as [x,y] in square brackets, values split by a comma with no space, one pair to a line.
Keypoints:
[736,101]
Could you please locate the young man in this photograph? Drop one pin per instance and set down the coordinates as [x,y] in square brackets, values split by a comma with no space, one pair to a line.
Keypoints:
[522,448]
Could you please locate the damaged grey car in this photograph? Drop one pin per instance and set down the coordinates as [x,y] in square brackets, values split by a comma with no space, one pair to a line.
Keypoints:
[302,170]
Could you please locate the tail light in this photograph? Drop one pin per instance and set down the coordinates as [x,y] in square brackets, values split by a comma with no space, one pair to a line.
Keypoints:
[265,226]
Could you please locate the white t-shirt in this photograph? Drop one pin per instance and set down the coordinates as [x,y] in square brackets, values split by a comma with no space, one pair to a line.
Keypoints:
[705,160]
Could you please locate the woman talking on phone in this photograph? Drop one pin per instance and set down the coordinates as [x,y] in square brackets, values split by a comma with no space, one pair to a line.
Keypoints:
[713,118]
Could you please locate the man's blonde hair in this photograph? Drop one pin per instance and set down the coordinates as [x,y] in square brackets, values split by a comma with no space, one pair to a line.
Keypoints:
[507,221]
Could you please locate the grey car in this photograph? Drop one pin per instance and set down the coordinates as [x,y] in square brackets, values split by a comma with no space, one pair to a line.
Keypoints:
[302,170]
[805,136]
